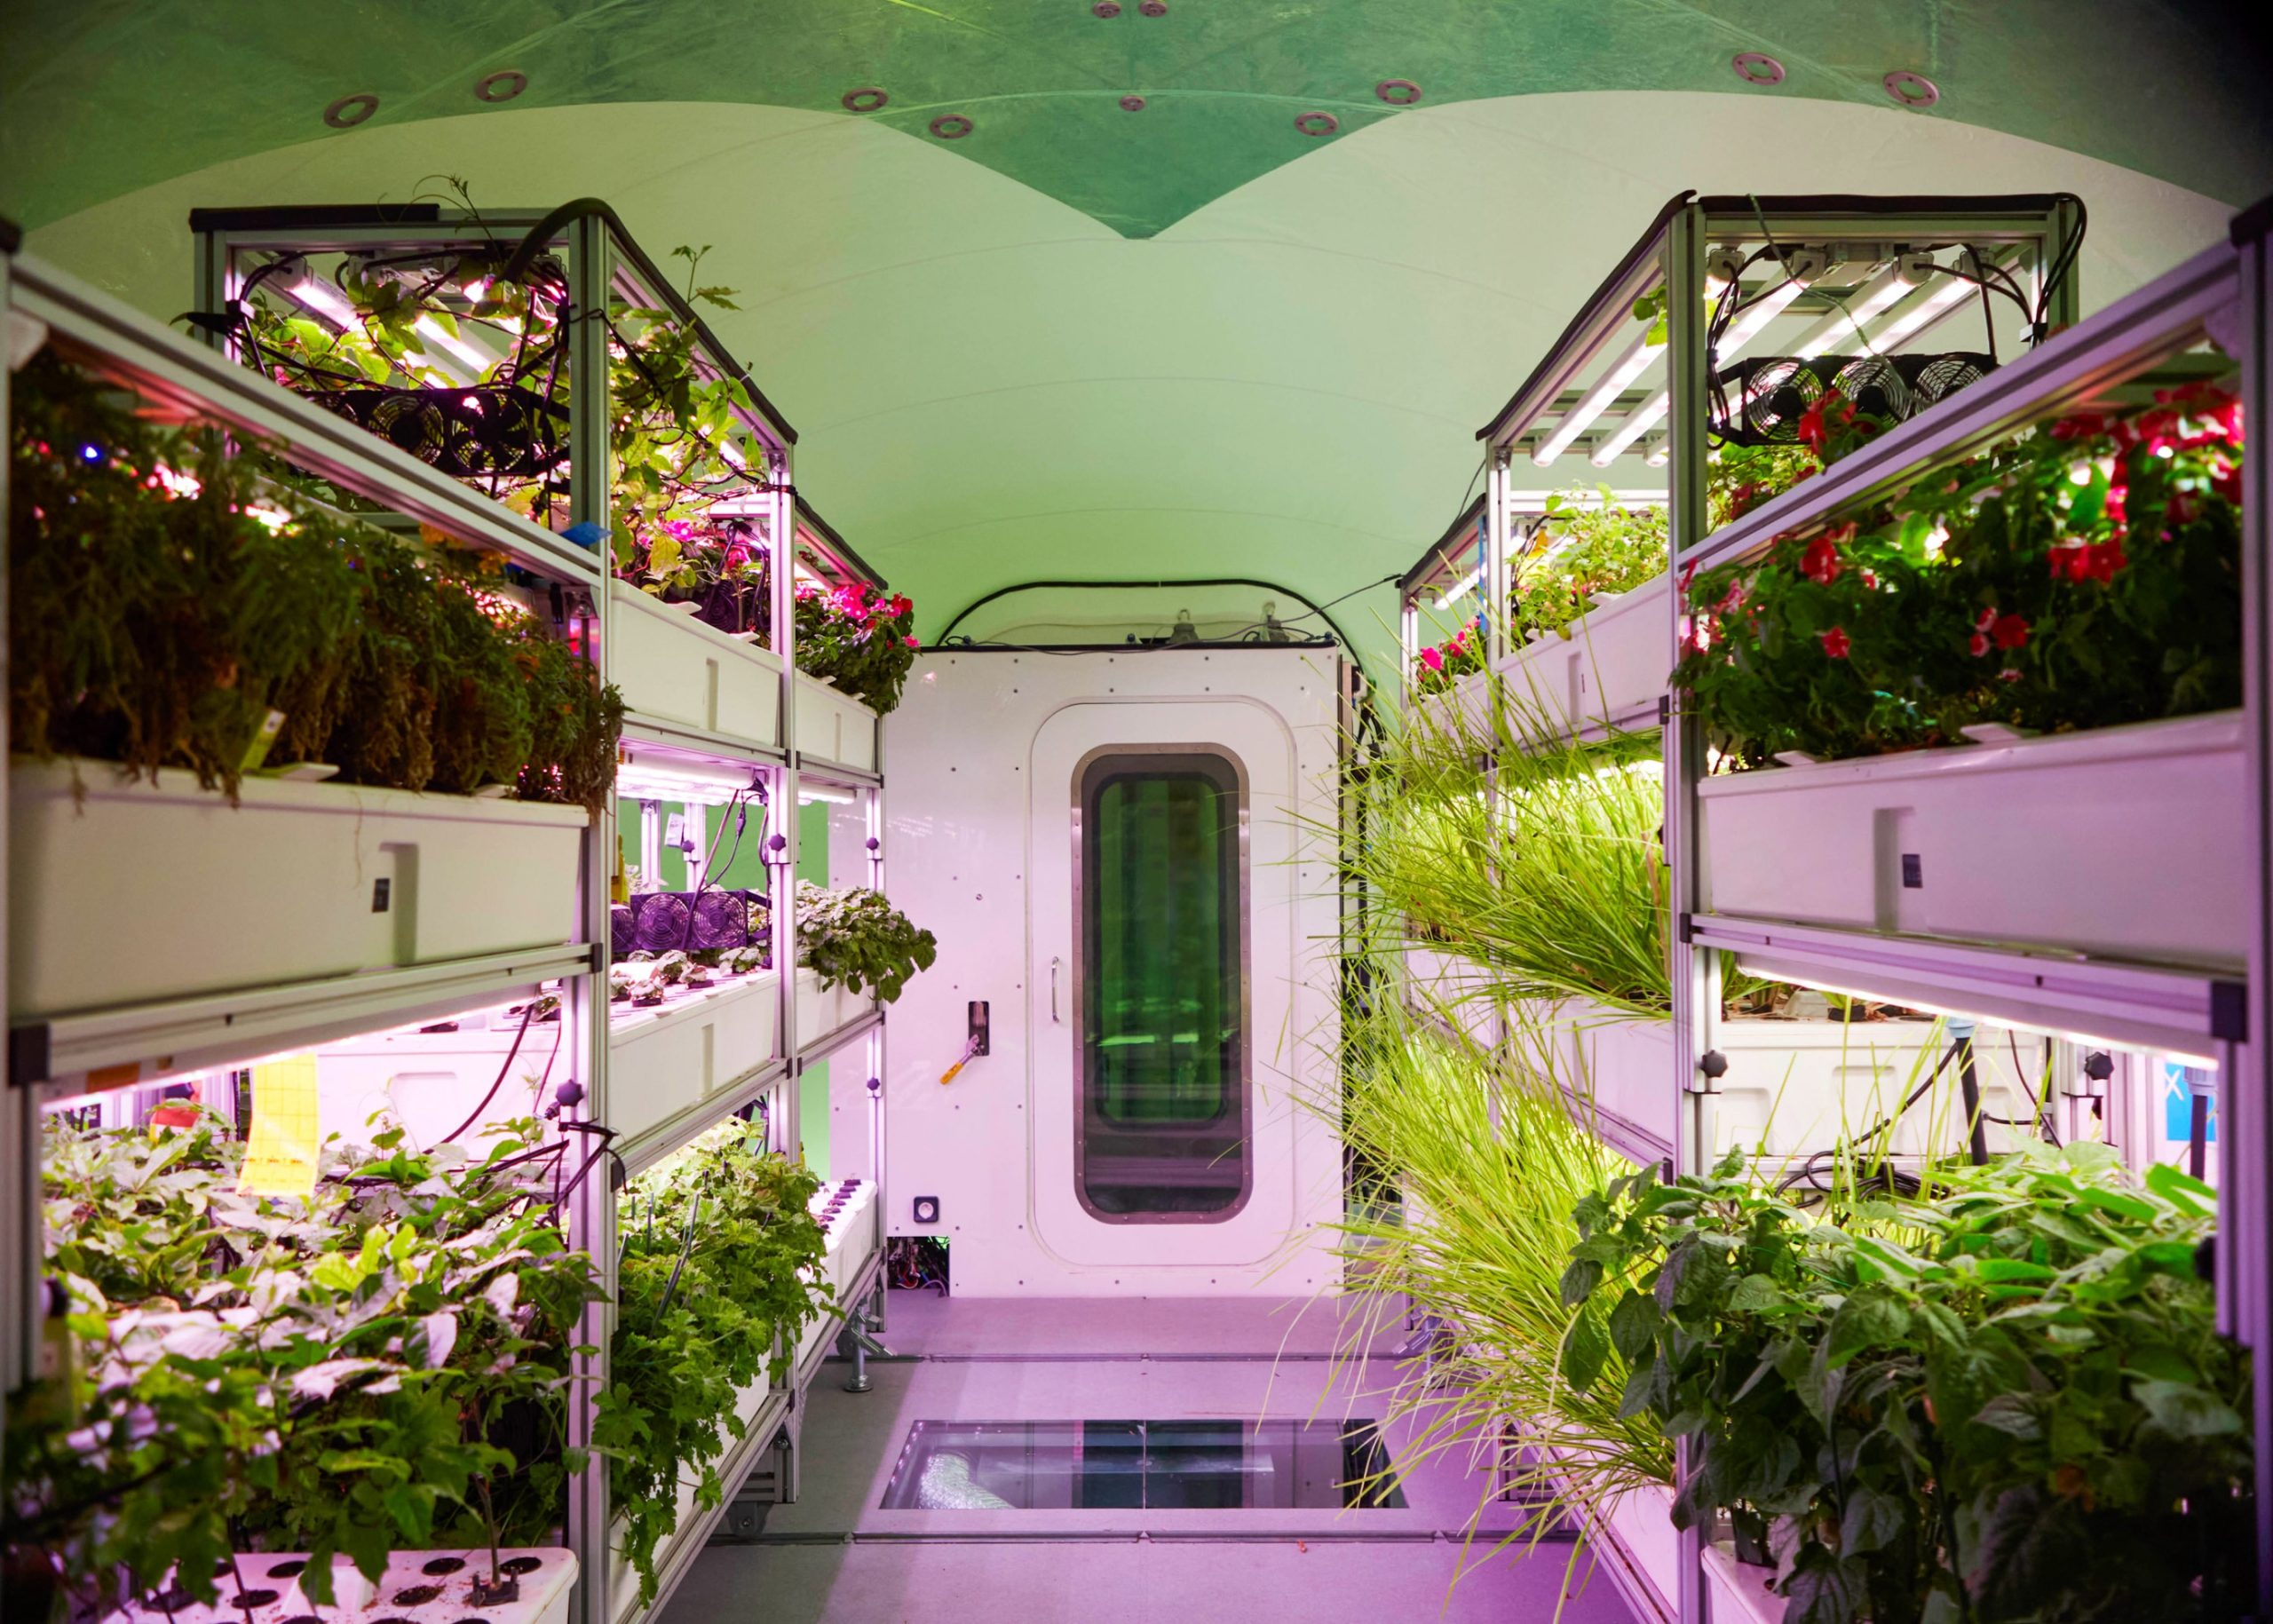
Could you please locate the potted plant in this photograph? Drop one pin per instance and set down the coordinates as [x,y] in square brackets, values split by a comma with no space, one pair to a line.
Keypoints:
[195,648]
[853,948]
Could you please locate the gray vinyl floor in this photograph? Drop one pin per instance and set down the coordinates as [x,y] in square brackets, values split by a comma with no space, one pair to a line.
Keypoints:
[836,1556]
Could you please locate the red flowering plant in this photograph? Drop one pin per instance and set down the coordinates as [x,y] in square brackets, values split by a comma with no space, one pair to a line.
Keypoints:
[2082,575]
[1458,655]
[859,640]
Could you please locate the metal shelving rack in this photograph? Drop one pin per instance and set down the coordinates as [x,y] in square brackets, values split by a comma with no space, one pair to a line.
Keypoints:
[2227,291]
[52,1057]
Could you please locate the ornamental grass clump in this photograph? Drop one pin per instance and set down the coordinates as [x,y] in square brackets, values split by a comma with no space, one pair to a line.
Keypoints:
[1545,873]
[2085,574]
[714,1294]
[2003,1400]
[382,1365]
[1486,1162]
[174,603]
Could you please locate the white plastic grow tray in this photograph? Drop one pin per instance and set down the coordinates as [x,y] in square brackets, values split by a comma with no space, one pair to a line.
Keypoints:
[664,1060]
[1465,707]
[1645,1560]
[673,669]
[125,891]
[834,726]
[823,1012]
[2118,843]
[546,1578]
[1795,1087]
[1740,1593]
[854,1234]
[1611,670]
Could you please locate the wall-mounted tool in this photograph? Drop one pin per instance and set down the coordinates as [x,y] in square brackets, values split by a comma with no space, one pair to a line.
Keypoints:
[975,1045]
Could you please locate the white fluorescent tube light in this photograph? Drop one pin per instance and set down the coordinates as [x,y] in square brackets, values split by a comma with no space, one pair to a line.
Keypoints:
[1661,454]
[1637,423]
[1447,599]
[807,794]
[1841,326]
[325,300]
[472,354]
[1953,291]
[1757,315]
[676,778]
[1624,371]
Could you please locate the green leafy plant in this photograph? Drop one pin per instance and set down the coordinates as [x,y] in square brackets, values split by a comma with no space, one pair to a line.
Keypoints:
[172,604]
[2082,575]
[1581,551]
[380,1365]
[862,642]
[2005,1400]
[855,939]
[715,1292]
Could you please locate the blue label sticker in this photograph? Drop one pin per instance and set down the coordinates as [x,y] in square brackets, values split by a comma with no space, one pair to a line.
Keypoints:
[2179,1083]
[591,532]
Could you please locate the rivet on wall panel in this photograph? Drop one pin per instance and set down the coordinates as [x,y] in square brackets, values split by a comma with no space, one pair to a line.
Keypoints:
[1757,67]
[1911,90]
[350,111]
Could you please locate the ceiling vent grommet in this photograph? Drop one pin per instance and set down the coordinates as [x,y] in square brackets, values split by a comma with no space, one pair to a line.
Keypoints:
[952,126]
[1397,92]
[1911,90]
[1757,67]
[1317,123]
[1153,8]
[1132,104]
[350,110]
[503,85]
[1106,8]
[868,98]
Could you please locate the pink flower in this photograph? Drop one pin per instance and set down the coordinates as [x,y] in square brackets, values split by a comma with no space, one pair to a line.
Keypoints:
[912,641]
[1980,644]
[1986,619]
[2011,632]
[1820,562]
[1837,643]
[1432,658]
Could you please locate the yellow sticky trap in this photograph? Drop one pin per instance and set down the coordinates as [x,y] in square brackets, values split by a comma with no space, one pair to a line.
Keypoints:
[280,1151]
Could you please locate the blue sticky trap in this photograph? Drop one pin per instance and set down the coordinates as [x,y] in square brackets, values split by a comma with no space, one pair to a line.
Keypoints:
[2178,1102]
[590,533]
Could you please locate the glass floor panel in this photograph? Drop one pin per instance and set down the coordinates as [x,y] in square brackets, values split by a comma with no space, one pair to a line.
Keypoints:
[1157,1465]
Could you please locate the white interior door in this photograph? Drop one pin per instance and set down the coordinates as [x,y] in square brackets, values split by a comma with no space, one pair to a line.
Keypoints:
[1163,956]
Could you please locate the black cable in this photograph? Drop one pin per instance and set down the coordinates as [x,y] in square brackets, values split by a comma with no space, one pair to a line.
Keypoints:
[527,1012]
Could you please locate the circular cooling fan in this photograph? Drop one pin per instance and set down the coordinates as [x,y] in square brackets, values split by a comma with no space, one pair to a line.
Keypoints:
[478,431]
[663,920]
[1776,393]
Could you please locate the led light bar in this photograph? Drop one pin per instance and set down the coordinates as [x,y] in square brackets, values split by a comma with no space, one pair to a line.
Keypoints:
[472,354]
[1923,312]
[1628,367]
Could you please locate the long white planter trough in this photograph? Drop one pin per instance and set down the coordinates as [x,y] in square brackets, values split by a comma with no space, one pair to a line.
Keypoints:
[1463,708]
[854,1233]
[1795,1087]
[662,1060]
[1611,669]
[821,1011]
[430,1082]
[132,891]
[1740,1593]
[672,668]
[2118,842]
[1451,989]
[834,726]
[419,1587]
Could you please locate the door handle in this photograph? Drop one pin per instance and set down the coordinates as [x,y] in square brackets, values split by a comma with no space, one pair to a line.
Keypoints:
[1053,992]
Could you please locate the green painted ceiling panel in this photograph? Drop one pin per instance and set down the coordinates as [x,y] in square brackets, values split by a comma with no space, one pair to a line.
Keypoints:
[102,97]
